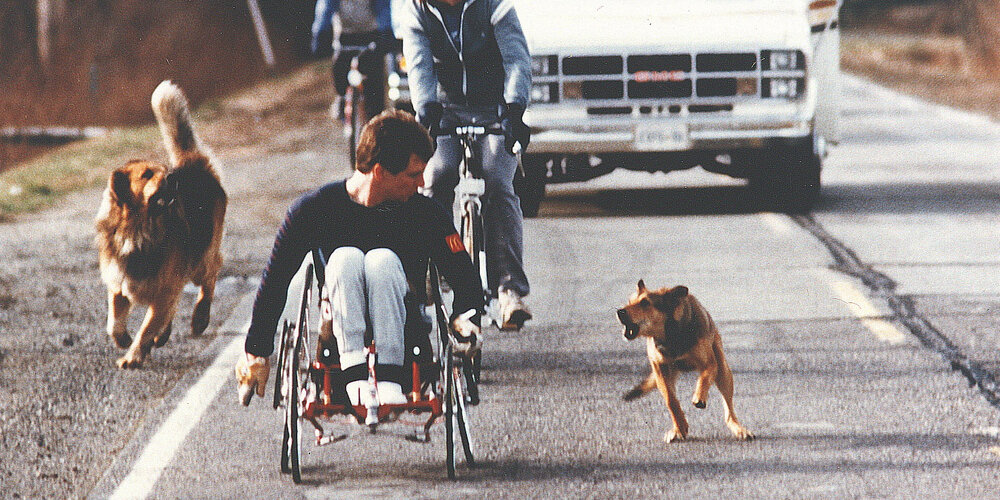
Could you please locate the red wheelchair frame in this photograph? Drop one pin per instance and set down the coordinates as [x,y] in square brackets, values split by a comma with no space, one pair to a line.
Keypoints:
[320,393]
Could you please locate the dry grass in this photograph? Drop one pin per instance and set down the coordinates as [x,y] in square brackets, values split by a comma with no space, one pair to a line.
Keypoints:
[246,123]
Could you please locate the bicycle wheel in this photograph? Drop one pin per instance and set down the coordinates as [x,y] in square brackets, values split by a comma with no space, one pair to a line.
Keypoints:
[473,239]
[357,121]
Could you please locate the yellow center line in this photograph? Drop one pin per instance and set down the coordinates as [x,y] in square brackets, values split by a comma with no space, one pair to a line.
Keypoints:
[865,311]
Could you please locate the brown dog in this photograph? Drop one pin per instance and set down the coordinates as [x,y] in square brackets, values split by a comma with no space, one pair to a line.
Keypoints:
[157,229]
[680,336]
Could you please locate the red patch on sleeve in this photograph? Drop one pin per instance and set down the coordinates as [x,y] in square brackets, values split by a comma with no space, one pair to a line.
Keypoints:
[455,243]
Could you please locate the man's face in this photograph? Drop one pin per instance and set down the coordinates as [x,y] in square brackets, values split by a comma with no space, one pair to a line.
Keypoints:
[400,187]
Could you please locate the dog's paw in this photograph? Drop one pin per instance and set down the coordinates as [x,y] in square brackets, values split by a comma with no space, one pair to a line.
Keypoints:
[126,363]
[674,435]
[699,404]
[200,318]
[743,434]
[122,340]
[161,339]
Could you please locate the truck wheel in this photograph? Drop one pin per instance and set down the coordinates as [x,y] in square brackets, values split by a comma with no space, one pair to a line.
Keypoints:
[788,178]
[531,188]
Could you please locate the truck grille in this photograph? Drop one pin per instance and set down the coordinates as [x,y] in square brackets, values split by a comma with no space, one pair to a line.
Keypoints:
[664,83]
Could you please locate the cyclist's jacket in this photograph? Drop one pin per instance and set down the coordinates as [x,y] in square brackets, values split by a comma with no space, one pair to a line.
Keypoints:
[328,219]
[356,16]
[475,55]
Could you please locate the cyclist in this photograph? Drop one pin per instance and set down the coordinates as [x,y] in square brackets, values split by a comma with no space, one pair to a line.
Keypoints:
[353,24]
[468,62]
[378,235]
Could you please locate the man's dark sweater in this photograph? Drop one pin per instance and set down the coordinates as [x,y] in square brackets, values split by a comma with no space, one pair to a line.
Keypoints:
[328,219]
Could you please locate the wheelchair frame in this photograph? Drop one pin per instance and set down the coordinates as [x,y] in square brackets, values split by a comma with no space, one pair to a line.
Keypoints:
[311,390]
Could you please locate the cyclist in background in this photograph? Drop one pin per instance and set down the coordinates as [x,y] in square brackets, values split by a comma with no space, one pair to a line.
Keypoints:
[468,62]
[355,24]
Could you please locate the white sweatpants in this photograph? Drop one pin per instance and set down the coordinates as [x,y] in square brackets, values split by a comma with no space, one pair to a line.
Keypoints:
[367,289]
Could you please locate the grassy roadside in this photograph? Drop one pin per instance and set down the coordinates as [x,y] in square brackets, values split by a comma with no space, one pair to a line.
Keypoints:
[41,182]
[245,121]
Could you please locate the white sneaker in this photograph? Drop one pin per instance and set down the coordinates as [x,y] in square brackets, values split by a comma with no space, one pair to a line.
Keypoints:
[513,312]
[390,393]
[359,392]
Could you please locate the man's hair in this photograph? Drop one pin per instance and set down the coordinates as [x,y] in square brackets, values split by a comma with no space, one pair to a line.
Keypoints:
[389,139]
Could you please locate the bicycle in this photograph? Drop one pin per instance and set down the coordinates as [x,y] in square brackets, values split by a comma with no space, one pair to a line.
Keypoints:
[312,389]
[361,102]
[468,197]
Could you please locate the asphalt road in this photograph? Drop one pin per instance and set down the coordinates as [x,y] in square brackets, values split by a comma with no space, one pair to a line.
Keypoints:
[862,340]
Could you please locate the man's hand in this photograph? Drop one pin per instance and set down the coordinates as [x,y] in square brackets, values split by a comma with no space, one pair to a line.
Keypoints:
[514,129]
[251,374]
[430,117]
[468,338]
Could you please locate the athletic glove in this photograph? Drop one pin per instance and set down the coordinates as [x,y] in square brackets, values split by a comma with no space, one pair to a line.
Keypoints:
[469,338]
[514,129]
[251,373]
[430,117]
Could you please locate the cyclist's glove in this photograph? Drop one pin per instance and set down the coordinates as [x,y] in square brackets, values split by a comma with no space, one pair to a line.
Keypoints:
[514,129]
[430,117]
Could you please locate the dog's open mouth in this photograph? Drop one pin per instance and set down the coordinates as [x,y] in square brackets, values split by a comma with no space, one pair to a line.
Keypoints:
[631,330]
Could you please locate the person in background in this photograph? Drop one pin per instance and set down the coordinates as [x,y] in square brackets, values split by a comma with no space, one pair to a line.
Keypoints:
[468,62]
[353,26]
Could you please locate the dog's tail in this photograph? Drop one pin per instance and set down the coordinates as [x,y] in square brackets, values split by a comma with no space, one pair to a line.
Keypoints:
[641,389]
[172,114]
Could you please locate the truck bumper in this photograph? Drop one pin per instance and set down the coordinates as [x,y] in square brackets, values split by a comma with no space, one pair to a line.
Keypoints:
[572,131]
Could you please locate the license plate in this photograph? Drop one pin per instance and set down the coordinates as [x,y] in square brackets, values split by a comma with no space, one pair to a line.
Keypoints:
[661,137]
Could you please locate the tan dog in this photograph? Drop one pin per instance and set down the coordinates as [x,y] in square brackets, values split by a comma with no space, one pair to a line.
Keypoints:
[157,229]
[680,336]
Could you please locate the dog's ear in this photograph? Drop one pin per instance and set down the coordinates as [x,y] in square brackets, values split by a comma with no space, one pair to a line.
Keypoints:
[641,286]
[121,188]
[679,292]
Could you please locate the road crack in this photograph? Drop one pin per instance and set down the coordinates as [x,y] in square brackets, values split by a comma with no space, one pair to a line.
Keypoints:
[903,309]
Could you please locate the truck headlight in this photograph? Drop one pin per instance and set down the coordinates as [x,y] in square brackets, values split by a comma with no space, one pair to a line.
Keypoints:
[544,92]
[788,88]
[544,65]
[782,59]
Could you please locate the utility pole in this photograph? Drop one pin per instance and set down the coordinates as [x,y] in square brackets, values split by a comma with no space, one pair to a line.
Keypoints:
[43,13]
[261,30]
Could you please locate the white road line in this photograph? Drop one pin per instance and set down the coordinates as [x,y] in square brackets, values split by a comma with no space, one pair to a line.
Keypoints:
[160,450]
[865,311]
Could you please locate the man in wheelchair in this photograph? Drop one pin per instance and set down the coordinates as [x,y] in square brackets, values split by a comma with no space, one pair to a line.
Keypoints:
[378,235]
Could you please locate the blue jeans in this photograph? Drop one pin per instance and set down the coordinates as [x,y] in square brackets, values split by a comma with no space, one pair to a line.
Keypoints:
[502,218]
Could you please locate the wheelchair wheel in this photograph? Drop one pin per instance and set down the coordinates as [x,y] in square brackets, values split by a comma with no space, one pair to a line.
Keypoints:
[291,456]
[449,410]
[282,347]
[295,347]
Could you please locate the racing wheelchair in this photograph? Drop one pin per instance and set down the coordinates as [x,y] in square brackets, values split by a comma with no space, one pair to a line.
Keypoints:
[310,389]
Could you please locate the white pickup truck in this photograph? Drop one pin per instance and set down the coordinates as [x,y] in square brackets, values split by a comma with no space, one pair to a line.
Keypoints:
[747,88]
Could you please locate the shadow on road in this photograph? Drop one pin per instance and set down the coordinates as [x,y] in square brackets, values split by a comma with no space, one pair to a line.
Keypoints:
[910,198]
[713,200]
[900,198]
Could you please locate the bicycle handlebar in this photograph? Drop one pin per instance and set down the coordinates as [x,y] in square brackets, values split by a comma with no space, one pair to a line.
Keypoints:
[473,130]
